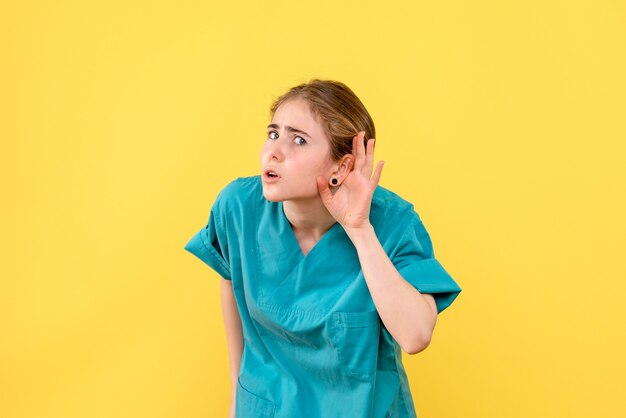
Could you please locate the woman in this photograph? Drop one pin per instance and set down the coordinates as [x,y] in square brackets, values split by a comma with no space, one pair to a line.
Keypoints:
[326,275]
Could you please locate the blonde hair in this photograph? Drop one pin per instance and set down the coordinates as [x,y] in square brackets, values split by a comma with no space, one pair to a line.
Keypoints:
[339,110]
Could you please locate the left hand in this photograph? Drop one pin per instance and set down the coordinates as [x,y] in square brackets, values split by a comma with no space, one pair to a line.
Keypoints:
[350,204]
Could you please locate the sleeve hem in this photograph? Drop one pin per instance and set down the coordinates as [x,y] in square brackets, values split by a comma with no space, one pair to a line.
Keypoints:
[209,255]
[428,276]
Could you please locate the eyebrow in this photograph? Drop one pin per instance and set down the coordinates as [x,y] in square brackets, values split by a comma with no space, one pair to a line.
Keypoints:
[289,128]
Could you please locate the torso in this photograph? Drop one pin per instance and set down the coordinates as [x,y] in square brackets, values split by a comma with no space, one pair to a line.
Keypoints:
[312,334]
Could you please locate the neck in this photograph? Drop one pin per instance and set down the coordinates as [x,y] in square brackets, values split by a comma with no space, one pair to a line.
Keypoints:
[309,217]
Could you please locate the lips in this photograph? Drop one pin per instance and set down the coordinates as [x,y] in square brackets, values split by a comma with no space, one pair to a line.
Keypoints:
[270,173]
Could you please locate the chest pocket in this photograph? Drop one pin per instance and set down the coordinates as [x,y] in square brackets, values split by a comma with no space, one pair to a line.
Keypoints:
[356,338]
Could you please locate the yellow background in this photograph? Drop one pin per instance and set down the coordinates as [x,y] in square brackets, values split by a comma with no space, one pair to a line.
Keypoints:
[504,123]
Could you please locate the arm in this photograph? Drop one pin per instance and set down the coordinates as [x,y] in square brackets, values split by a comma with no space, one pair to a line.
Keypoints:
[408,315]
[234,336]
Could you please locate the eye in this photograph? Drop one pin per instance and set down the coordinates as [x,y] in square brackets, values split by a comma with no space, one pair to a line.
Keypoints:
[299,140]
[272,135]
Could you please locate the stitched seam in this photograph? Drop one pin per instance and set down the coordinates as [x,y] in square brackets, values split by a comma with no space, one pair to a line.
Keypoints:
[283,310]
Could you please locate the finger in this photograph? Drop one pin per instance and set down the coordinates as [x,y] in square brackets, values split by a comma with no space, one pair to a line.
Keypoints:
[324,190]
[362,146]
[360,152]
[355,153]
[369,157]
[377,173]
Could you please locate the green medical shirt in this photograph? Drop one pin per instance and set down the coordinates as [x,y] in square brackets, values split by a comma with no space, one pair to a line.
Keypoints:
[314,345]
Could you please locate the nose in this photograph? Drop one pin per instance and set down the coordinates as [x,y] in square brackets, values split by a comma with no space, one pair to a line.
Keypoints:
[275,150]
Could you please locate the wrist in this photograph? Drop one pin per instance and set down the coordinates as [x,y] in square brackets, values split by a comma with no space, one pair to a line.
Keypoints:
[361,233]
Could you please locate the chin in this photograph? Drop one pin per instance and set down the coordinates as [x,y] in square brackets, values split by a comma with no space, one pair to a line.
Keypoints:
[271,197]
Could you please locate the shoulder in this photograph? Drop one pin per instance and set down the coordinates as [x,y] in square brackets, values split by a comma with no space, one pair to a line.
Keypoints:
[398,224]
[239,193]
[241,188]
[387,205]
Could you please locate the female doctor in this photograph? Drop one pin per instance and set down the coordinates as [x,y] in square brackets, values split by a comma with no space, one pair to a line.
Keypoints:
[326,276]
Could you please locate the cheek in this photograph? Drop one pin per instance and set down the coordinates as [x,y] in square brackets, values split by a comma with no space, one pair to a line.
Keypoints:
[312,166]
[325,166]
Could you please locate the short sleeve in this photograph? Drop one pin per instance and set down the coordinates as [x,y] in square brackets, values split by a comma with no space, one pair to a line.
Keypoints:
[210,245]
[415,261]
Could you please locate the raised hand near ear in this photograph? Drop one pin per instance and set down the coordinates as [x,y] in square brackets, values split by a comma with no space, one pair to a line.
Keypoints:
[350,204]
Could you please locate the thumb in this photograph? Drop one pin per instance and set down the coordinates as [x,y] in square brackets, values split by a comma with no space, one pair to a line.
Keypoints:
[324,190]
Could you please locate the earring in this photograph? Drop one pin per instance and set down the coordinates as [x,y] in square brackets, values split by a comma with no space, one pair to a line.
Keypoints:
[334,182]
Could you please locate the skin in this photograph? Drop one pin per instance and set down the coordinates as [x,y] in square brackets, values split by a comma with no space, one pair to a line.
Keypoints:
[313,205]
[299,158]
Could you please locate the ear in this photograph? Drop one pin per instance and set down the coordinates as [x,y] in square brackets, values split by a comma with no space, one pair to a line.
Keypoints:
[342,168]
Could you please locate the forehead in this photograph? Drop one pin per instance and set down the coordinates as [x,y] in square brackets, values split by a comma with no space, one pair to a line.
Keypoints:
[297,113]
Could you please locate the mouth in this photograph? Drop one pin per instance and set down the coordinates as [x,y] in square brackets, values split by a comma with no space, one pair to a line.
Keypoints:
[270,174]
